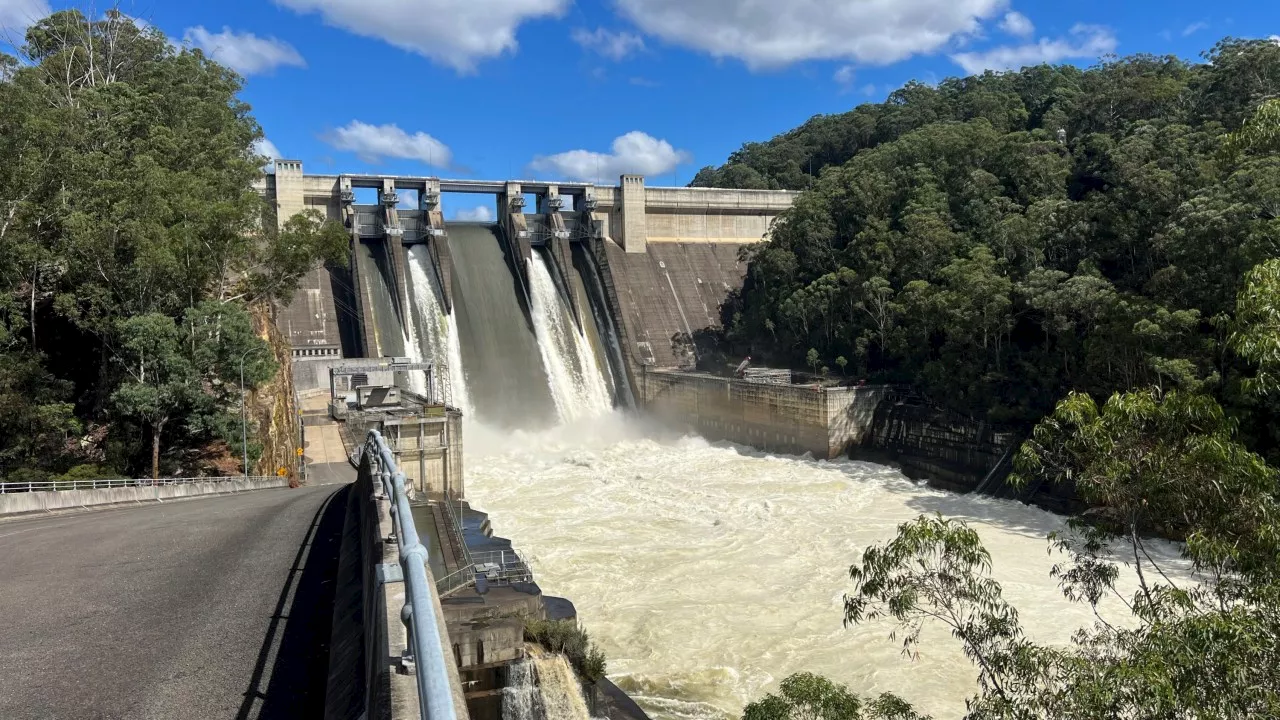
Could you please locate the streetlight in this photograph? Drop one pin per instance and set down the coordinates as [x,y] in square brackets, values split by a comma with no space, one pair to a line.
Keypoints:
[244,435]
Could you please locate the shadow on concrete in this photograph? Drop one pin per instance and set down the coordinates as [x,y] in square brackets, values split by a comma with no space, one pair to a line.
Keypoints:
[301,626]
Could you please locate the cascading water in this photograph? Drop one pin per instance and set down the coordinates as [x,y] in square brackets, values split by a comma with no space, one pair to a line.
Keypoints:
[561,695]
[605,327]
[543,687]
[520,699]
[439,341]
[506,384]
[573,374]
[736,561]
[413,351]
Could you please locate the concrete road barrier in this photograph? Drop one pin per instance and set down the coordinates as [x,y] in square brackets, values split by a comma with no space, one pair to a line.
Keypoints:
[43,502]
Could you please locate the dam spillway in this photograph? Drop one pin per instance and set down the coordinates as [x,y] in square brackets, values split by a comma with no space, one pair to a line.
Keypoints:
[500,356]
[707,571]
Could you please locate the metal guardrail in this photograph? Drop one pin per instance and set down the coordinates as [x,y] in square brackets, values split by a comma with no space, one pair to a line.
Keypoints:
[427,654]
[58,485]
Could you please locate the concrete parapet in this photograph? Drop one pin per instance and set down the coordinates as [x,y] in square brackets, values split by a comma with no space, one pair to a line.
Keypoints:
[38,502]
[796,419]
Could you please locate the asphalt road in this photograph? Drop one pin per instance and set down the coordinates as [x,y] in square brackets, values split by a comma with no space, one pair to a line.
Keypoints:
[206,608]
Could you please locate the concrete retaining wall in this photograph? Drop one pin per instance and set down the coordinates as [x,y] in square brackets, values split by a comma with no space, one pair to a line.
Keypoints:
[775,418]
[368,681]
[37,502]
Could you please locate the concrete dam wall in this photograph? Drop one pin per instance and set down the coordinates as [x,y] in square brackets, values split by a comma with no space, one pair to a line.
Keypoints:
[640,272]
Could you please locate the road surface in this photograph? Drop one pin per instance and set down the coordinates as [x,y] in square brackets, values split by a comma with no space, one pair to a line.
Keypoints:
[214,607]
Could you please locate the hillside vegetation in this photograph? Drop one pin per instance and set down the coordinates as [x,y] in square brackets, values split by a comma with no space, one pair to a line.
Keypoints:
[133,244]
[1000,239]
[1092,255]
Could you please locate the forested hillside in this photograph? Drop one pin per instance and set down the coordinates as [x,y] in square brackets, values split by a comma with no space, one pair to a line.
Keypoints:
[131,247]
[1001,239]
[1096,253]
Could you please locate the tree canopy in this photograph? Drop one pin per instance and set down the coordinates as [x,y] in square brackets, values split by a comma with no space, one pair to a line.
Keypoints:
[134,243]
[998,240]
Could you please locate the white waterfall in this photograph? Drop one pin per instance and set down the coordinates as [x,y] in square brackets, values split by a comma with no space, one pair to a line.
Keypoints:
[413,351]
[440,346]
[573,374]
[520,699]
[543,687]
[561,695]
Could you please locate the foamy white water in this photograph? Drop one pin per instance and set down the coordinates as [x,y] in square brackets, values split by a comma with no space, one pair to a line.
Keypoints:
[710,572]
[440,329]
[573,374]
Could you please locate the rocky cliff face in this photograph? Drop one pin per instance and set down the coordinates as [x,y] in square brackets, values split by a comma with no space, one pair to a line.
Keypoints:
[273,405]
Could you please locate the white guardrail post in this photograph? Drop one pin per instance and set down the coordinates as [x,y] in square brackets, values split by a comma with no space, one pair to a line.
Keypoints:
[435,695]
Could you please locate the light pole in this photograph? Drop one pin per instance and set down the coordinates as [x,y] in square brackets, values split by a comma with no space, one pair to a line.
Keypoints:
[244,433]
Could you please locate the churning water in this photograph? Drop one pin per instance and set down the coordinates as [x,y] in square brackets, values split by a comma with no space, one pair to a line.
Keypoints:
[708,572]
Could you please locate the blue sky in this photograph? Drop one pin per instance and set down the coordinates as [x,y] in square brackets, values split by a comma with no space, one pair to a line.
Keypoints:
[578,90]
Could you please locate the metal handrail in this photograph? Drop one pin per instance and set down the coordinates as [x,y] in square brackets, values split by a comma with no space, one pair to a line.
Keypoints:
[457,527]
[107,484]
[430,662]
[499,567]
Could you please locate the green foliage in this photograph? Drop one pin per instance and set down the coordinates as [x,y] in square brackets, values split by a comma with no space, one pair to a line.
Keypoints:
[569,638]
[293,251]
[91,471]
[1203,643]
[1261,133]
[132,238]
[805,696]
[948,239]
[1257,319]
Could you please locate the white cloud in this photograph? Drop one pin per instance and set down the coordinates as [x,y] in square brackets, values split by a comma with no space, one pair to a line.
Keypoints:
[869,90]
[1194,28]
[1275,39]
[770,34]
[245,53]
[17,15]
[1085,41]
[845,76]
[267,149]
[479,213]
[1015,23]
[614,45]
[457,33]
[635,152]
[372,143]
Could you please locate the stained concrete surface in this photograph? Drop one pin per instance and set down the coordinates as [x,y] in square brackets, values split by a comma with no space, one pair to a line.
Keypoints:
[215,607]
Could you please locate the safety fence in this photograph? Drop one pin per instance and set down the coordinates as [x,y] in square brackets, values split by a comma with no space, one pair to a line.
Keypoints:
[426,654]
[58,485]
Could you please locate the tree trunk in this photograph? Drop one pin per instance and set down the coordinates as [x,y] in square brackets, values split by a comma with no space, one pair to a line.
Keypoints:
[156,429]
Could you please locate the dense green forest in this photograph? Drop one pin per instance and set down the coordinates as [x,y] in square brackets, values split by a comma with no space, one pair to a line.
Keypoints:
[1000,239]
[134,250]
[1091,254]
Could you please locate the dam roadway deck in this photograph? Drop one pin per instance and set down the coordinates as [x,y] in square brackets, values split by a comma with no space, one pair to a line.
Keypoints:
[211,607]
